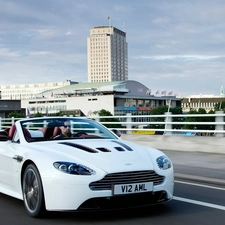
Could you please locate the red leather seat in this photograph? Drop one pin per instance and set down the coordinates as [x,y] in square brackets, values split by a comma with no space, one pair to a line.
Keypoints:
[12,132]
[56,132]
[7,130]
[47,131]
[26,134]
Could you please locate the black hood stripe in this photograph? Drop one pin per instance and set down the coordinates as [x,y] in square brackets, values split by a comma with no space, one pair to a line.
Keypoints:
[82,147]
[102,149]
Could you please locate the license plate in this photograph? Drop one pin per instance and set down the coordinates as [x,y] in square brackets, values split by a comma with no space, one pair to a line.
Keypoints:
[120,189]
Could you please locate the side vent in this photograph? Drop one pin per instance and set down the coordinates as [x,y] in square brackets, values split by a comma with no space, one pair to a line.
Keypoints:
[120,149]
[102,149]
[123,145]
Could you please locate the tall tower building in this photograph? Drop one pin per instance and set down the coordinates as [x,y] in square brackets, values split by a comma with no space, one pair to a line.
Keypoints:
[107,55]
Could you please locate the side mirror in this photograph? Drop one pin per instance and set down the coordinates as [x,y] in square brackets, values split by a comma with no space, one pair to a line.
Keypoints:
[116,132]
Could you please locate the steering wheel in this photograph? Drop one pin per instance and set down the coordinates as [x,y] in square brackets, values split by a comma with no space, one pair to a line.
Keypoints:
[79,134]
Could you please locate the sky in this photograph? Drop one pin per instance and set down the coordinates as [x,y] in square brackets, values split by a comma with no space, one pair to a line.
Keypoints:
[175,46]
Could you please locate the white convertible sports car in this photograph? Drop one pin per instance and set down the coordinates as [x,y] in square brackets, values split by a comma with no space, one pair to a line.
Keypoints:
[91,169]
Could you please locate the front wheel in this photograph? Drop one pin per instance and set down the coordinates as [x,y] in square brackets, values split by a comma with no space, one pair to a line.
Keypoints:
[33,192]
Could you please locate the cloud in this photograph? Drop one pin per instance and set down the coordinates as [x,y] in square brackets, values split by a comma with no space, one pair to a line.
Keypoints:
[68,33]
[123,8]
[162,21]
[39,53]
[4,52]
[172,45]
[182,57]
[45,32]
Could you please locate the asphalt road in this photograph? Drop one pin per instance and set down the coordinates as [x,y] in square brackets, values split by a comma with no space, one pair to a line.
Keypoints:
[195,202]
[198,166]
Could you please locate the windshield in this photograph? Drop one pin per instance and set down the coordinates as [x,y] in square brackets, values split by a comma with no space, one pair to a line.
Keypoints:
[44,129]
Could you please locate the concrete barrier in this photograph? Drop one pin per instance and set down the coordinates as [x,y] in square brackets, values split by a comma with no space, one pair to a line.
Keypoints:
[180,143]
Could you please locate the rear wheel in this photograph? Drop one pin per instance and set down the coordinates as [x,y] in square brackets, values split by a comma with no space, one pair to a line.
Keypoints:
[33,192]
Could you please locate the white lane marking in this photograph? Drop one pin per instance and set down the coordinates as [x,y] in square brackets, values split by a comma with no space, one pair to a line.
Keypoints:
[200,185]
[199,203]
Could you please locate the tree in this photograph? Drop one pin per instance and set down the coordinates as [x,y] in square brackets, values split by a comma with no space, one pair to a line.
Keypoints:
[59,114]
[15,114]
[220,106]
[104,112]
[177,111]
[199,119]
[211,119]
[191,119]
[38,114]
[204,119]
[161,110]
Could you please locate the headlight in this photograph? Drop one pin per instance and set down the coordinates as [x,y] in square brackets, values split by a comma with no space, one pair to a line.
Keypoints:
[163,162]
[73,168]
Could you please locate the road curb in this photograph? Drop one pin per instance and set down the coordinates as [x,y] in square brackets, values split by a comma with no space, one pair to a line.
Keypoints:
[199,179]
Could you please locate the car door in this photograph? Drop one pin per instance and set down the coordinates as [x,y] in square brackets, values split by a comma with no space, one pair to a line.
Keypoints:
[10,164]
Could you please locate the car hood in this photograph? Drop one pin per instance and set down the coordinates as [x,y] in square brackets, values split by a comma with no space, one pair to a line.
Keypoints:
[109,155]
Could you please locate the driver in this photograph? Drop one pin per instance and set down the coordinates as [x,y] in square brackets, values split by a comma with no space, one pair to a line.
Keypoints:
[65,130]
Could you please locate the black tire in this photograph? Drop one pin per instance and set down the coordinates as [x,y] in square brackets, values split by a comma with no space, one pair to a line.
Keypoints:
[33,195]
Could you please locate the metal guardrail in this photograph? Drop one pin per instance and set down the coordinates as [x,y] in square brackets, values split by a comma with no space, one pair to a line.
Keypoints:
[129,125]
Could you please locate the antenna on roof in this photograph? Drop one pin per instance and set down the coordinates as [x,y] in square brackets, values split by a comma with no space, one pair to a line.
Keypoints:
[109,21]
[123,26]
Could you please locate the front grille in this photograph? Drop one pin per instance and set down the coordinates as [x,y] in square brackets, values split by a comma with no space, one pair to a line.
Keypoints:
[126,178]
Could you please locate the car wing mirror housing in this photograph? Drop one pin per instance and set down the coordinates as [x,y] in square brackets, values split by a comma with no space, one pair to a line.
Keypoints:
[116,132]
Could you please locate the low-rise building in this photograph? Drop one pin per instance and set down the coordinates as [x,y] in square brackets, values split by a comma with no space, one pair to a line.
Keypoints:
[8,106]
[119,98]
[85,99]
[207,102]
[29,91]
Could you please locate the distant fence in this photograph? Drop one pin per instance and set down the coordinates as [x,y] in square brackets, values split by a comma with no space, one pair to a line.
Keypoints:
[129,126]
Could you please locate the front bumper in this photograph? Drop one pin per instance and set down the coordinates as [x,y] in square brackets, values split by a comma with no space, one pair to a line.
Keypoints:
[69,193]
[125,201]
